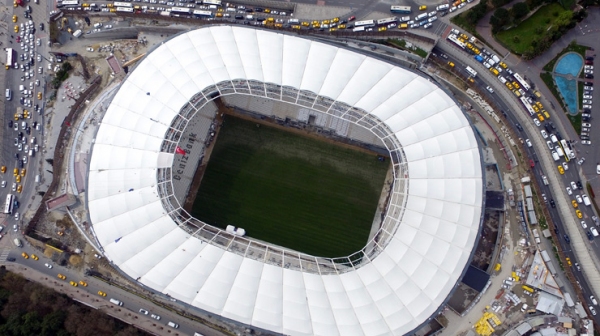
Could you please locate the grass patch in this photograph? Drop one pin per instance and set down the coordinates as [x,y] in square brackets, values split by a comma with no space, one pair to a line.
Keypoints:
[575,122]
[519,39]
[574,47]
[308,195]
[401,44]
[549,81]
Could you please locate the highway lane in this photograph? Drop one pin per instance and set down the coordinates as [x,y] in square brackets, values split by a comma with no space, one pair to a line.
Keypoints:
[570,175]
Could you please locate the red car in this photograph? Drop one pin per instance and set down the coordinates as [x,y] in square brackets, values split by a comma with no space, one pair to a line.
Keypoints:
[531,163]
[18,39]
[352,18]
[588,62]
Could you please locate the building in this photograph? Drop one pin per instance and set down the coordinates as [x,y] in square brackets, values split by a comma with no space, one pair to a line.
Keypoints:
[407,271]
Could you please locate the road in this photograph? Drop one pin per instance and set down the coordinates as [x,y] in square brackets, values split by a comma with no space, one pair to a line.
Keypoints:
[461,60]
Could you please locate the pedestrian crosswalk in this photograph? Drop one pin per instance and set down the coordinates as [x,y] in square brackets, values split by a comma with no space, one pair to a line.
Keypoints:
[440,29]
[4,254]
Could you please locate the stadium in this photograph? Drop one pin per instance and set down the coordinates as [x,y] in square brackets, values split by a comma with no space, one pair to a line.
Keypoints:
[400,278]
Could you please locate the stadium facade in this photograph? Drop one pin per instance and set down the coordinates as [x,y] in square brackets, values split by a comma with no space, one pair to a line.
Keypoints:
[395,284]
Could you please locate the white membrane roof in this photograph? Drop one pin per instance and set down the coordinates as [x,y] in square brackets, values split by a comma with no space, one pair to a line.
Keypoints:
[391,294]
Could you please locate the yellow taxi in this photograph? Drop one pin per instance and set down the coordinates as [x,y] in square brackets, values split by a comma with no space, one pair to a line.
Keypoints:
[16,117]
[16,171]
[574,202]
[538,104]
[476,51]
[113,10]
[85,5]
[15,4]
[503,65]
[546,114]
[464,36]
[516,85]
[540,117]
[535,108]
[494,71]
[305,24]
[561,170]
[18,178]
[295,27]
[73,283]
[423,7]
[220,10]
[342,26]
[3,169]
[16,29]
[568,261]
[23,172]
[270,19]
[25,255]
[335,19]
[83,283]
[509,85]
[382,29]
[14,18]
[325,22]
[332,29]
[109,5]
[34,257]
[279,25]
[451,64]
[219,15]
[578,213]
[26,114]
[62,277]
[101,293]
[267,10]
[19,188]
[471,80]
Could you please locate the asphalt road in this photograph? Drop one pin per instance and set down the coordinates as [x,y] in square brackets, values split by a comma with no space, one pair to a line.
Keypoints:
[571,174]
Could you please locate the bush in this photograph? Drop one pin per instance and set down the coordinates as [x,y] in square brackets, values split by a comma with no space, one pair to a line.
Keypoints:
[500,18]
[61,75]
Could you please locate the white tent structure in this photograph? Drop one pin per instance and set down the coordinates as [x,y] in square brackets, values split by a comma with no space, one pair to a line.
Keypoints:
[402,278]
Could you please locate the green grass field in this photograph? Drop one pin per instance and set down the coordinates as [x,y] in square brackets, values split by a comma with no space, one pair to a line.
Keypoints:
[290,190]
[526,30]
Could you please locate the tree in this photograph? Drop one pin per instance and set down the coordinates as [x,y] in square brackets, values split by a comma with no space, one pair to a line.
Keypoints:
[499,3]
[499,19]
[519,10]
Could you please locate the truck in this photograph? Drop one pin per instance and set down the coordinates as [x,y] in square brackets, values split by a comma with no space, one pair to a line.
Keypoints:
[18,242]
[536,235]
[545,256]
[545,180]
[77,33]
[569,300]
[525,179]
[474,41]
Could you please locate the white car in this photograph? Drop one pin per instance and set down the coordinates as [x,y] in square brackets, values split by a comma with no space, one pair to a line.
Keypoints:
[143,311]
[591,67]
[90,49]
[565,166]
[581,161]
[544,134]
[593,299]
[587,97]
[594,231]
[154,316]
[3,184]
[589,88]
[569,191]
[578,198]
[489,88]
[586,199]
[583,225]
[550,145]
[428,25]
[592,310]
[574,185]
[48,265]
[528,142]
[595,219]
[587,101]
[536,121]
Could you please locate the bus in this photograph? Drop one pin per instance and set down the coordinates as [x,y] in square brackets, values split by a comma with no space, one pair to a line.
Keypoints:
[471,72]
[122,4]
[202,13]
[365,23]
[125,9]
[68,3]
[527,106]
[212,2]
[569,154]
[181,10]
[10,201]
[522,82]
[387,21]
[10,58]
[454,39]
[401,9]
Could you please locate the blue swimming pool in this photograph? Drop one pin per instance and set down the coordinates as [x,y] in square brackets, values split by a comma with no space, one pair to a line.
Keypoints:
[568,65]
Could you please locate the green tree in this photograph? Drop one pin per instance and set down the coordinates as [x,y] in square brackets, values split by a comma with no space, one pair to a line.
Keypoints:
[519,10]
[499,19]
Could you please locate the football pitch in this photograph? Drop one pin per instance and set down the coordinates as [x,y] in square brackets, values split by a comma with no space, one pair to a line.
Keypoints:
[290,190]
